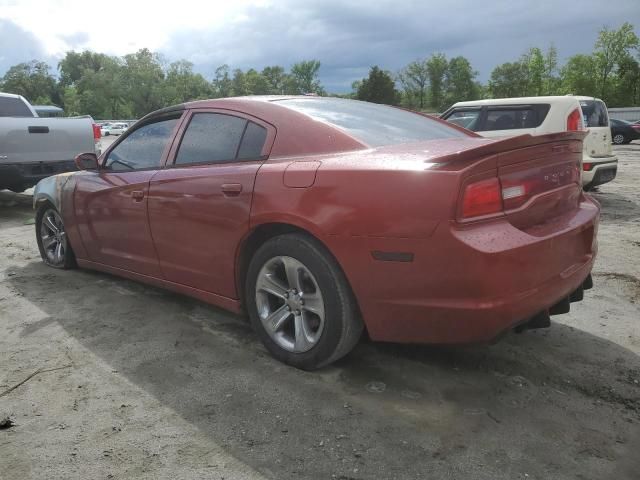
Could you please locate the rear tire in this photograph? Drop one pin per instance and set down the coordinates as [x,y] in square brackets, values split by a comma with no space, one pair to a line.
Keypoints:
[300,303]
[619,139]
[51,236]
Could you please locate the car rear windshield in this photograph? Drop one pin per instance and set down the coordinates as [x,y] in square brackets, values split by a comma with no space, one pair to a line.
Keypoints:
[372,124]
[594,113]
[13,107]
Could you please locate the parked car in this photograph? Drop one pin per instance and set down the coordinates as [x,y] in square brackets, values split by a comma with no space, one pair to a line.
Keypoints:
[355,215]
[624,132]
[32,148]
[540,115]
[116,129]
[104,129]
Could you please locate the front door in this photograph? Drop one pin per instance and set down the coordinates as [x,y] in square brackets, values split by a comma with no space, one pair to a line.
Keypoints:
[199,205]
[111,204]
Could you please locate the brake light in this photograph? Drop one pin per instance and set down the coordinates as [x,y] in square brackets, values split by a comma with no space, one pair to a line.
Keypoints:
[574,120]
[587,167]
[482,198]
[96,132]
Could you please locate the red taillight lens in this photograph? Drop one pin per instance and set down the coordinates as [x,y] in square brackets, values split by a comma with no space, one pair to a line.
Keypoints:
[96,132]
[587,167]
[574,120]
[482,198]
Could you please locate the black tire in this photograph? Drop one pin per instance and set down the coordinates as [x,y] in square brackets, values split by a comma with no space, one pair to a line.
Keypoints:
[68,259]
[342,323]
[619,139]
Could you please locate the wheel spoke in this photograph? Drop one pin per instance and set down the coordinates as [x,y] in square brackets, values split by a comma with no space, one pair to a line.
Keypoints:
[269,283]
[48,240]
[49,223]
[303,335]
[58,253]
[276,319]
[292,271]
[313,303]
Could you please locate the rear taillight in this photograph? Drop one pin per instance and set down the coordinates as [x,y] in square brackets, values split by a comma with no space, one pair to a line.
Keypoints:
[96,132]
[511,191]
[587,167]
[481,198]
[574,120]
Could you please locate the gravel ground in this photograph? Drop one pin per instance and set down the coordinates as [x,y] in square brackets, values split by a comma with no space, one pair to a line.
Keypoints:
[127,381]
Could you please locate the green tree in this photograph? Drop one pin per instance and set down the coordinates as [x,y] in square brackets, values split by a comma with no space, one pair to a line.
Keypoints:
[378,87]
[534,61]
[276,79]
[222,83]
[239,83]
[304,78]
[182,84]
[437,70]
[460,84]
[510,79]
[612,48]
[33,81]
[577,75]
[142,81]
[414,79]
[256,83]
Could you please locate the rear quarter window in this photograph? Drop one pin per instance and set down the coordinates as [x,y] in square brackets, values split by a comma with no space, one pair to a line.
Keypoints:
[513,118]
[594,113]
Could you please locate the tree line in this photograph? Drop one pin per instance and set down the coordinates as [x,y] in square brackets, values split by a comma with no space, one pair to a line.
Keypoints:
[107,86]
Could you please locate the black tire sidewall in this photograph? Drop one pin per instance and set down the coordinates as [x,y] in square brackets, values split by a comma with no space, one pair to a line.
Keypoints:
[337,307]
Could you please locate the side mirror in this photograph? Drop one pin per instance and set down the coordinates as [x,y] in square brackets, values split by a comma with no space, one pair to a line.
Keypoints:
[87,161]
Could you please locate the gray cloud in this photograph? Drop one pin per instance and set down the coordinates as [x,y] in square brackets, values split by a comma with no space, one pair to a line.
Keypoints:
[18,46]
[350,36]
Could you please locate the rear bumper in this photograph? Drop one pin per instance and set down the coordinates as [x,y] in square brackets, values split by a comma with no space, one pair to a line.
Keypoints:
[469,285]
[25,175]
[603,170]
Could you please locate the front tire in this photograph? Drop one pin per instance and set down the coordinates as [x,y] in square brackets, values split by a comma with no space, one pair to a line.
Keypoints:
[619,139]
[51,235]
[300,303]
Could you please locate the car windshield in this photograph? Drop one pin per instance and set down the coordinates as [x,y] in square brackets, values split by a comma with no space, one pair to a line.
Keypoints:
[372,124]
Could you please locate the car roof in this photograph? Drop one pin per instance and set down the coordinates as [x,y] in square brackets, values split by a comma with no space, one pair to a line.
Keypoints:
[521,100]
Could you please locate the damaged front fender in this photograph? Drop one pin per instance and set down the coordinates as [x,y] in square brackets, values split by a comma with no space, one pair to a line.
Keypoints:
[50,190]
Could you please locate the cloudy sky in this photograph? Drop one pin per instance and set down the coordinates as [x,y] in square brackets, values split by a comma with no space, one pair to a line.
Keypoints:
[347,36]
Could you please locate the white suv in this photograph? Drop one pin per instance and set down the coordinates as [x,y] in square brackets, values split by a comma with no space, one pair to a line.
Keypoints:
[540,115]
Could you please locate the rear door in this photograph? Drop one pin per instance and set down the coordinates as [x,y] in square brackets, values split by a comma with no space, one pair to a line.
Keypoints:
[199,205]
[596,120]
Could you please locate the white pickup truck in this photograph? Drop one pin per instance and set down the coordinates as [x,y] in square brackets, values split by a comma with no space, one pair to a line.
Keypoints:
[32,148]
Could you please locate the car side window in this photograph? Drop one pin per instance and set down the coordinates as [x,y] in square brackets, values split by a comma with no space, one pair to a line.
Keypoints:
[216,138]
[511,119]
[143,148]
[465,118]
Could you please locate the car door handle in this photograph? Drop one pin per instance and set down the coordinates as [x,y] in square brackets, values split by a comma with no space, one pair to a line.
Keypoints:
[231,189]
[137,195]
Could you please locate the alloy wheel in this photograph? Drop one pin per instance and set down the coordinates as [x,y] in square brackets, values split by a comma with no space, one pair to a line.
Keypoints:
[290,304]
[54,237]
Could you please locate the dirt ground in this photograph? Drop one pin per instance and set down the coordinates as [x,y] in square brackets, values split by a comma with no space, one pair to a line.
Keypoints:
[134,382]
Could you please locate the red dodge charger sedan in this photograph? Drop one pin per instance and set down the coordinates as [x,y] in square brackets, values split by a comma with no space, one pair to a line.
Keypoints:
[321,217]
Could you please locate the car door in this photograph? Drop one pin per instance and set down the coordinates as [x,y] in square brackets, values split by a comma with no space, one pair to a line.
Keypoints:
[199,205]
[111,204]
